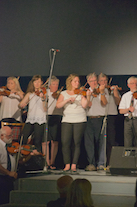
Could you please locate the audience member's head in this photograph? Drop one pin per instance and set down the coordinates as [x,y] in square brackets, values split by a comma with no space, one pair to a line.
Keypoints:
[135,205]
[63,184]
[79,194]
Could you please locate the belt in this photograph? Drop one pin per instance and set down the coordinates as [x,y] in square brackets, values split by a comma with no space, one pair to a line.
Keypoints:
[127,118]
[95,117]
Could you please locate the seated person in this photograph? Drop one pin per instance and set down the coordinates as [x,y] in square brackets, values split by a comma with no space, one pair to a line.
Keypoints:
[79,194]
[7,165]
[63,184]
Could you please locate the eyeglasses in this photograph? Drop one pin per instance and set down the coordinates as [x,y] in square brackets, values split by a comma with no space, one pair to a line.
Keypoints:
[92,81]
[132,83]
[103,80]
[8,136]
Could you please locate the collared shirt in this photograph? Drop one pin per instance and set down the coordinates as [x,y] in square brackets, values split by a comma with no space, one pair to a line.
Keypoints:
[97,109]
[3,156]
[126,101]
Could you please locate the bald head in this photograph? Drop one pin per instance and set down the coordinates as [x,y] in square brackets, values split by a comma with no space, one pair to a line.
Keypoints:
[6,134]
[6,129]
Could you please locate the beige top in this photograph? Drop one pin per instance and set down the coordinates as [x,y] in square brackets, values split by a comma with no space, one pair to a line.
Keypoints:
[9,107]
[52,110]
[97,109]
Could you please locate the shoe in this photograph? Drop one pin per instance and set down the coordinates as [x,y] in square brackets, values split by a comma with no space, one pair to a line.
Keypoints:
[66,171]
[101,167]
[48,167]
[90,167]
[108,169]
[52,167]
[74,172]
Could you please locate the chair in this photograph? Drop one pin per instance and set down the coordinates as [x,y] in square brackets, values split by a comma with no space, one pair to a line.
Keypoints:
[16,129]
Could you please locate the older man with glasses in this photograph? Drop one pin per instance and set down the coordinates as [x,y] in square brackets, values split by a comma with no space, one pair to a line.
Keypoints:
[7,165]
[128,107]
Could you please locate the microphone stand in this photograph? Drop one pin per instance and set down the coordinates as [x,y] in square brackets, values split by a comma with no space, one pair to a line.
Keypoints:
[46,105]
[104,129]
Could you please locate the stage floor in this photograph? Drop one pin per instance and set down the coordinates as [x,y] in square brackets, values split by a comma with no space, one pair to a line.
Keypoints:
[107,190]
[102,183]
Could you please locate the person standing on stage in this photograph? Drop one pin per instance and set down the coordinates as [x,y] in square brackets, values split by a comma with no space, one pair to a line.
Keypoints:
[96,112]
[111,113]
[9,104]
[128,107]
[7,165]
[54,124]
[36,117]
[73,121]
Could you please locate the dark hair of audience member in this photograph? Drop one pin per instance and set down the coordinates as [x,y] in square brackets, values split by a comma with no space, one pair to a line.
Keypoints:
[79,194]
[63,184]
[135,205]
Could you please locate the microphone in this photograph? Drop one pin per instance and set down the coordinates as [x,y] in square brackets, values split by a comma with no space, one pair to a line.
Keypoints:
[57,50]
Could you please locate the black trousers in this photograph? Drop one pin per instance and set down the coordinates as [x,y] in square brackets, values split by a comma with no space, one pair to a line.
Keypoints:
[54,127]
[69,131]
[38,134]
[111,134]
[6,185]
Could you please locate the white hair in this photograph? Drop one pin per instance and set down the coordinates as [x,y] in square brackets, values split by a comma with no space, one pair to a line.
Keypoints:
[91,75]
[131,78]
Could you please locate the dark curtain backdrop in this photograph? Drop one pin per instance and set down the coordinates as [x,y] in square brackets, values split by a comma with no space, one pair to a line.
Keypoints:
[120,80]
[92,35]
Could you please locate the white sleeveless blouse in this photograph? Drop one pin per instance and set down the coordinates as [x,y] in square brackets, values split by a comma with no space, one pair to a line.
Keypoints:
[36,113]
[73,113]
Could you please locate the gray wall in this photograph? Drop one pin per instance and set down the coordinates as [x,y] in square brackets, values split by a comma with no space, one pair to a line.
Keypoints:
[92,35]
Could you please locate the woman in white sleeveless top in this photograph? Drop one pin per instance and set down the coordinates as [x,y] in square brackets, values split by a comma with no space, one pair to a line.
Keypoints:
[73,121]
[36,117]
